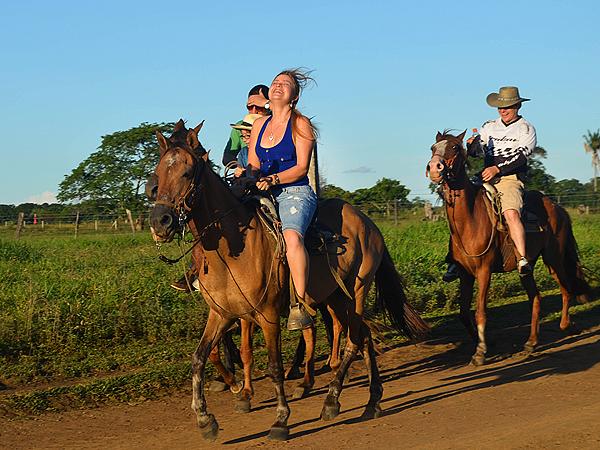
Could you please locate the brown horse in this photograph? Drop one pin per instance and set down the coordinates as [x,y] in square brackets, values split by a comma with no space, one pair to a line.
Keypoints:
[476,245]
[242,275]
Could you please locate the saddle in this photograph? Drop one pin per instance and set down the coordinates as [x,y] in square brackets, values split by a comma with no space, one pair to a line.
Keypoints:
[529,215]
[532,217]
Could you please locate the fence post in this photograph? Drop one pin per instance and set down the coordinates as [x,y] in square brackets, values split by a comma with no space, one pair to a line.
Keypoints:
[20,219]
[76,223]
[43,224]
[130,218]
[115,225]
[396,212]
[96,225]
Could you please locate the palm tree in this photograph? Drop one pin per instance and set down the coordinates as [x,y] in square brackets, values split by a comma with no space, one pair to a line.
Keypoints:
[592,145]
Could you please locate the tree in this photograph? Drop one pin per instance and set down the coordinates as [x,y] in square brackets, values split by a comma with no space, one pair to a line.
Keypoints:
[114,176]
[570,192]
[384,190]
[537,177]
[592,145]
[333,191]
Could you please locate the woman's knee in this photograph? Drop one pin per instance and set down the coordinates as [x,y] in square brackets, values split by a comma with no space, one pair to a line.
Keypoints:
[293,240]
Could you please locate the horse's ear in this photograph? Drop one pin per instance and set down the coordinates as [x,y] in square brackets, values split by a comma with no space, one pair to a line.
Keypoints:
[180,125]
[438,137]
[192,139]
[199,127]
[461,136]
[205,156]
[163,142]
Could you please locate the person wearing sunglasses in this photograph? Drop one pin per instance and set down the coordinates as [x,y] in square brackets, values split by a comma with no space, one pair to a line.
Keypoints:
[257,103]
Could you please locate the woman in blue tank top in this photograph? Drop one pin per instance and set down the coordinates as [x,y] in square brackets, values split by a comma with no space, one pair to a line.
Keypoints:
[281,146]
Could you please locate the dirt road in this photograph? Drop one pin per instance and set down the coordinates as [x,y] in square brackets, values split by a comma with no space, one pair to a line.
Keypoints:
[432,399]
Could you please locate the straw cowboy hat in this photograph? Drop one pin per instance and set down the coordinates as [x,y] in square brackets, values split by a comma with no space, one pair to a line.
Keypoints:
[246,123]
[508,96]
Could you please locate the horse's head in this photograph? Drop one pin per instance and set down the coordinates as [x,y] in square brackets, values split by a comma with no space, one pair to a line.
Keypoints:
[448,157]
[177,180]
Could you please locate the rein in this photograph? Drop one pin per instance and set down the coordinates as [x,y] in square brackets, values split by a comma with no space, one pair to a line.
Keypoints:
[449,175]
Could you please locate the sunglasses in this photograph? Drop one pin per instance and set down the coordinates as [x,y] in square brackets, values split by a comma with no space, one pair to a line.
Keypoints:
[255,108]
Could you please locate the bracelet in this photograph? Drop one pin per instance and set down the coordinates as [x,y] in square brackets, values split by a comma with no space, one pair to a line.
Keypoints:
[276,178]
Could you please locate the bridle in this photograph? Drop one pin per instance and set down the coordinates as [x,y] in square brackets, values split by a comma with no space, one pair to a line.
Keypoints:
[451,166]
[450,172]
[184,204]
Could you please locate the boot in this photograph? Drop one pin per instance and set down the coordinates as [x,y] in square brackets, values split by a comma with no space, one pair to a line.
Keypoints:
[299,319]
[451,274]
[186,283]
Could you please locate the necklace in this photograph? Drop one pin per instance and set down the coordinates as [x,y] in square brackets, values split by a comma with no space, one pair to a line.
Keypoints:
[274,130]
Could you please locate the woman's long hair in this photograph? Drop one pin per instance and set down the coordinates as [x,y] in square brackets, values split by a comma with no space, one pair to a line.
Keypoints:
[301,78]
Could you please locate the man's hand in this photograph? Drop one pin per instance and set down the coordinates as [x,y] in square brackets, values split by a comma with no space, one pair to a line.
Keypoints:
[257,99]
[489,173]
[264,183]
[239,170]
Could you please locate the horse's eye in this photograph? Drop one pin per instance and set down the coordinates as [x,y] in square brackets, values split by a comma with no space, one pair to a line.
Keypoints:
[189,173]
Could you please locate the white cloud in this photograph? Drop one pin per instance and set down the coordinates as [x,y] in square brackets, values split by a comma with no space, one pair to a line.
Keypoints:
[44,197]
[361,169]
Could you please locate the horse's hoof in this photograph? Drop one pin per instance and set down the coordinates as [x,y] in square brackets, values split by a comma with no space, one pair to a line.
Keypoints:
[279,433]
[300,392]
[210,429]
[293,373]
[529,347]
[371,412]
[237,387]
[216,386]
[330,410]
[478,360]
[242,406]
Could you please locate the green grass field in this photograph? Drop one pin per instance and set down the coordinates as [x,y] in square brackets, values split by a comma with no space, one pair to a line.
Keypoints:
[92,319]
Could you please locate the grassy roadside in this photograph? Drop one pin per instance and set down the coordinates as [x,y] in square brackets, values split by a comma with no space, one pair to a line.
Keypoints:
[92,320]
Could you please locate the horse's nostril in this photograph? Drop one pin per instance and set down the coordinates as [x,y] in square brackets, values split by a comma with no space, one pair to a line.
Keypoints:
[166,220]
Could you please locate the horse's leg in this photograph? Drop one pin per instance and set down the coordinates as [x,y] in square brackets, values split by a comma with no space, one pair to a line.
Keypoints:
[228,377]
[334,357]
[372,410]
[535,298]
[559,274]
[483,282]
[215,326]
[245,396]
[279,429]
[466,299]
[331,406]
[304,387]
[231,354]
[294,369]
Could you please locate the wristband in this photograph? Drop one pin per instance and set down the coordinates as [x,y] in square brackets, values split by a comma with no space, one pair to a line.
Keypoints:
[276,179]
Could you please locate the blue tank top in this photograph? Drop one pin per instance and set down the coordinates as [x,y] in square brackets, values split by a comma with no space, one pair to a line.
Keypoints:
[280,157]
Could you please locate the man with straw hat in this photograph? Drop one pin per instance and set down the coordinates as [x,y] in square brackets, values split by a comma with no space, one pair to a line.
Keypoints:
[505,144]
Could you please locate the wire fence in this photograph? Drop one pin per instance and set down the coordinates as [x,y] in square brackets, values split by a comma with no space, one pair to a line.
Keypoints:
[133,221]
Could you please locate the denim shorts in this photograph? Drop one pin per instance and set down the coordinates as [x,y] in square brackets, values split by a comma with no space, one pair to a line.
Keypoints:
[296,205]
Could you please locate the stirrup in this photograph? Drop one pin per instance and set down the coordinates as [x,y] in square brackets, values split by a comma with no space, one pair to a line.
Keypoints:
[524,267]
[299,319]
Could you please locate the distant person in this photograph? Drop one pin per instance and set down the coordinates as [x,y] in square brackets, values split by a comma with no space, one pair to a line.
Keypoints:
[257,103]
[505,143]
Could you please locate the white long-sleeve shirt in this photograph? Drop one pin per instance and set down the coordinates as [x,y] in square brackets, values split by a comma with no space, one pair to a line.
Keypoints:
[506,146]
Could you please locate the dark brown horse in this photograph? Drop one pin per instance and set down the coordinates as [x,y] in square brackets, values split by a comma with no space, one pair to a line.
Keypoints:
[476,245]
[242,275]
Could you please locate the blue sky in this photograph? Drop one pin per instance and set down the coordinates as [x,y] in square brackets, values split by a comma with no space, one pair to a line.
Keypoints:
[389,76]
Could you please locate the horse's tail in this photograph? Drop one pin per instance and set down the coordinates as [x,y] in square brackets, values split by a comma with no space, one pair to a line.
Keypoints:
[572,263]
[390,297]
